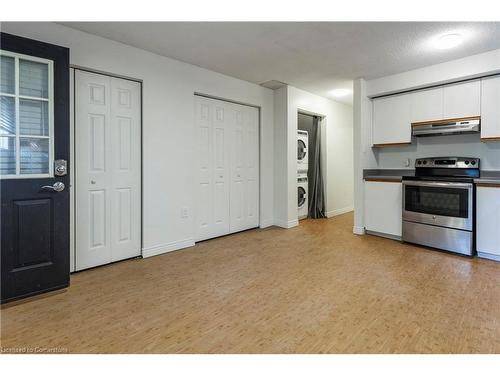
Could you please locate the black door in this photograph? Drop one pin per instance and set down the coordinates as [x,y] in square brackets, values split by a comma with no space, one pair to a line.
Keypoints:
[34,137]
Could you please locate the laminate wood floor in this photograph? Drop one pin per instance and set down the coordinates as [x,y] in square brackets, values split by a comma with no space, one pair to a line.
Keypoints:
[316,288]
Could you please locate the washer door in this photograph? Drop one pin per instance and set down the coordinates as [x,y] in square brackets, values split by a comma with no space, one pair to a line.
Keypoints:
[301,193]
[301,149]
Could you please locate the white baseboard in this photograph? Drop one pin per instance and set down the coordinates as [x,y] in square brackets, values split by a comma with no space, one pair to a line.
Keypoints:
[266,223]
[488,256]
[339,211]
[385,235]
[286,224]
[165,248]
[358,230]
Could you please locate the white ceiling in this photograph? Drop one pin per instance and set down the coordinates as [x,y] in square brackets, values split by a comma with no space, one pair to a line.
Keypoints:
[314,56]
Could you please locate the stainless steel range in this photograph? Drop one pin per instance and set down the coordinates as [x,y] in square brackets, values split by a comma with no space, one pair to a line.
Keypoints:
[438,204]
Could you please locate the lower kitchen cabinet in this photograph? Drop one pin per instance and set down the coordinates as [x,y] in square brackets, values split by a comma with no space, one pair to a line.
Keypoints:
[383,207]
[488,222]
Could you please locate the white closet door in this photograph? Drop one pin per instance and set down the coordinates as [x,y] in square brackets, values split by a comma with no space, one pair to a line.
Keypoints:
[107,159]
[212,190]
[125,169]
[244,168]
[92,157]
[227,198]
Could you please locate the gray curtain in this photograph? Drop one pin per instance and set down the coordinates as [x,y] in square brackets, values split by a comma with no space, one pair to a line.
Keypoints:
[315,177]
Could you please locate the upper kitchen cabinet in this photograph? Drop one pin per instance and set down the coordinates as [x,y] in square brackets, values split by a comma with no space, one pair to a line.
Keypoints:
[427,105]
[462,100]
[391,120]
[490,109]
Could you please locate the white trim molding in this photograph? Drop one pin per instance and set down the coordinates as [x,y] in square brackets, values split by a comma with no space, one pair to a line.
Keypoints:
[385,235]
[166,248]
[286,224]
[266,224]
[488,256]
[339,211]
[358,230]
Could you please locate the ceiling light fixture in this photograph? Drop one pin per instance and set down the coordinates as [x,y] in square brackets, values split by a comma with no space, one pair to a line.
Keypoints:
[448,41]
[338,93]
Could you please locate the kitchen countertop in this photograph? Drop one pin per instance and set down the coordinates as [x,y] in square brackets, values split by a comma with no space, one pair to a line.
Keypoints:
[396,175]
[387,175]
[384,178]
[488,177]
[487,181]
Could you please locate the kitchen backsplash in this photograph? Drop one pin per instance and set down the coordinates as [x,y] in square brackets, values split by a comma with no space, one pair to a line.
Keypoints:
[451,145]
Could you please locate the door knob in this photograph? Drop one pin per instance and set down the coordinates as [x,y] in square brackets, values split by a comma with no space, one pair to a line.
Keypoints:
[58,186]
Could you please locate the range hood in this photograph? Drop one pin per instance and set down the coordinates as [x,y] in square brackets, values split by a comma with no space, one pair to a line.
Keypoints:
[467,125]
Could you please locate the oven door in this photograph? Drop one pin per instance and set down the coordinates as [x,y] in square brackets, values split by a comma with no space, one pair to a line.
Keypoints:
[446,204]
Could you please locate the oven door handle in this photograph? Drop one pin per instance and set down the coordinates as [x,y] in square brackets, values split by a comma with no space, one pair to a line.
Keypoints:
[452,185]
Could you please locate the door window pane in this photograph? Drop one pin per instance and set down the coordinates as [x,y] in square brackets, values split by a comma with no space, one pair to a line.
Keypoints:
[33,79]
[7,75]
[7,115]
[25,116]
[7,155]
[33,117]
[34,156]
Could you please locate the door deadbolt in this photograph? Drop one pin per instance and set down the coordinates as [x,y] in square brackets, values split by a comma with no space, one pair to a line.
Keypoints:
[60,167]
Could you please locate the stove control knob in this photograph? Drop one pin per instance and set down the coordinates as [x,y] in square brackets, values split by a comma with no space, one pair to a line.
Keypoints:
[466,162]
[473,162]
[425,162]
[419,162]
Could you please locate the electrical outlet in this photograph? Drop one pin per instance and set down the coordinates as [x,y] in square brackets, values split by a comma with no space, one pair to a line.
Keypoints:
[184,213]
[407,162]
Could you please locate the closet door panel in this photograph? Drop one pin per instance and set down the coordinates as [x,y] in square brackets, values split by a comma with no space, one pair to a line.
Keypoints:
[204,202]
[220,162]
[245,169]
[108,169]
[212,190]
[238,170]
[252,153]
[126,169]
[227,198]
[93,163]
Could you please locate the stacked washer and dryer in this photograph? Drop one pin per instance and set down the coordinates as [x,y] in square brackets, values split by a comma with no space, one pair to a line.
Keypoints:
[302,168]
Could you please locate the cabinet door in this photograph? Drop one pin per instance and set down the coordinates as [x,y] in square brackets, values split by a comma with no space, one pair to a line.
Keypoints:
[462,100]
[383,207]
[490,108]
[391,120]
[427,105]
[488,222]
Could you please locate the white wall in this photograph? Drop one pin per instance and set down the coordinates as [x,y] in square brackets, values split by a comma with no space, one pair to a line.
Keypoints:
[454,145]
[450,71]
[364,156]
[168,125]
[394,157]
[337,152]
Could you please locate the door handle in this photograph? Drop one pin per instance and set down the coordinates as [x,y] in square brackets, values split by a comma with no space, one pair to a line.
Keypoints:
[57,187]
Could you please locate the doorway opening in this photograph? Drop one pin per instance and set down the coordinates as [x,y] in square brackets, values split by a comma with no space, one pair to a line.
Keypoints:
[311,201]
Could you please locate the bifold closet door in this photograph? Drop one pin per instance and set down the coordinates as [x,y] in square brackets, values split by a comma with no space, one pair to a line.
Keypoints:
[227,191]
[108,162]
[244,192]
[212,195]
